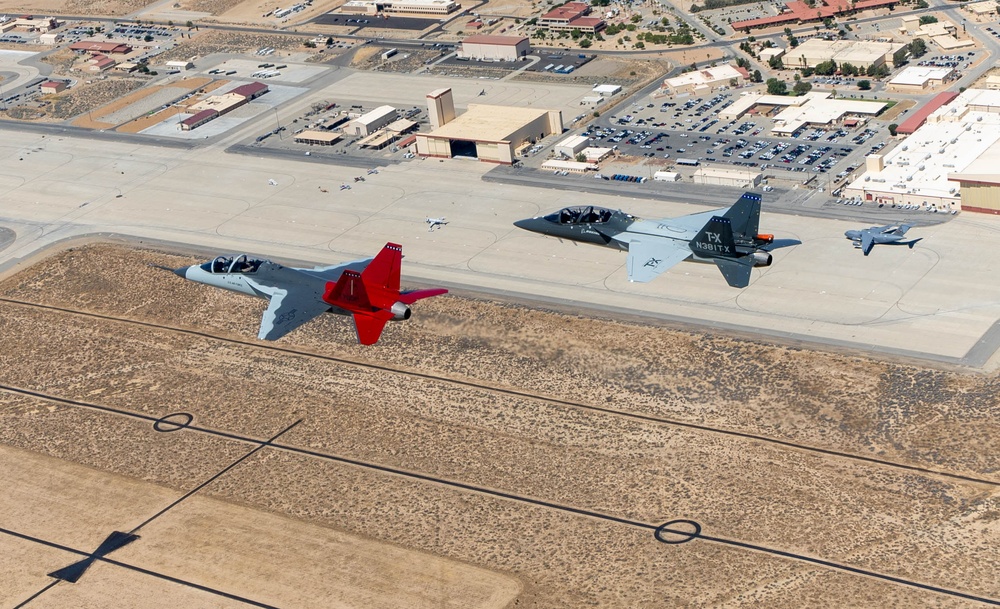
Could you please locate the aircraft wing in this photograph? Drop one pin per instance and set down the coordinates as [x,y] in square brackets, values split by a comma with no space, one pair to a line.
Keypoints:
[648,258]
[695,222]
[288,310]
[867,242]
[333,272]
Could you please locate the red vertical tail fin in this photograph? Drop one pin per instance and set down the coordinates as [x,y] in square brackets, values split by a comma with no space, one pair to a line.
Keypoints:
[348,293]
[383,270]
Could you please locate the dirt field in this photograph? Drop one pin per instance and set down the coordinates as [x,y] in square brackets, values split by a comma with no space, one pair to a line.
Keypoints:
[77,7]
[645,425]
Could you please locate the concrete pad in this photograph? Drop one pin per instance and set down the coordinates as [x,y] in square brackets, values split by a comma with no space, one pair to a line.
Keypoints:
[821,289]
[292,73]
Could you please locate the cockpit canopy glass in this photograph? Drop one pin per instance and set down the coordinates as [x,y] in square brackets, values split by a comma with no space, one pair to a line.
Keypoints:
[581,215]
[233,264]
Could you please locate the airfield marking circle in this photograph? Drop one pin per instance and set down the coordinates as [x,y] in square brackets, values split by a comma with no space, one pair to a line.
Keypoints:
[678,536]
[174,421]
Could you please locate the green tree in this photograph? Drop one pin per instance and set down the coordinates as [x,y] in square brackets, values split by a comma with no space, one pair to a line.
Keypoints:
[329,41]
[585,43]
[640,45]
[310,44]
[892,129]
[776,87]
[636,18]
[775,63]
[899,57]
[917,48]
[801,88]
[757,76]
[864,85]
[575,34]
[189,24]
[581,158]
[826,68]
[925,19]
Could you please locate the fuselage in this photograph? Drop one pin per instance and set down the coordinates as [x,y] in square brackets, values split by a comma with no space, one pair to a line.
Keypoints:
[256,277]
[617,230]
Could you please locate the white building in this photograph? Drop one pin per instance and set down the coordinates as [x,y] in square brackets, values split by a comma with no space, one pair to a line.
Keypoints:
[858,53]
[813,108]
[571,146]
[369,123]
[708,79]
[918,78]
[955,148]
[606,90]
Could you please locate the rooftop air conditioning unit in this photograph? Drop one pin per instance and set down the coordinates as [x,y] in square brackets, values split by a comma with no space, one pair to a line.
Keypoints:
[920,168]
[905,147]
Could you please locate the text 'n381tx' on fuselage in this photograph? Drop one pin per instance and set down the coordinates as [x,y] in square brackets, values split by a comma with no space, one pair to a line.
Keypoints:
[727,237]
[367,289]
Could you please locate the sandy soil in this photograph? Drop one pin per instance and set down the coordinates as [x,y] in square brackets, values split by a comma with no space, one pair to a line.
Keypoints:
[211,41]
[75,7]
[930,528]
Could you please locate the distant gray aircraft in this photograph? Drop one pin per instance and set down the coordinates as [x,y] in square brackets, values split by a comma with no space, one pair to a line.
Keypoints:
[367,289]
[727,237]
[435,223]
[891,234]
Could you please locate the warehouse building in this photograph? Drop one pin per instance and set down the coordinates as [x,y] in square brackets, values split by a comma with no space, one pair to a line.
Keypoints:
[487,133]
[949,163]
[50,87]
[571,146]
[713,175]
[858,53]
[369,123]
[495,48]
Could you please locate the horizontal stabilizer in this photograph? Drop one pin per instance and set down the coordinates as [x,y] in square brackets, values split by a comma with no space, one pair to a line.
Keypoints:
[415,295]
[736,270]
[914,242]
[369,328]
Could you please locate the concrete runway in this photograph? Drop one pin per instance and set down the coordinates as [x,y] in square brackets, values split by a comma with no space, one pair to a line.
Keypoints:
[938,301]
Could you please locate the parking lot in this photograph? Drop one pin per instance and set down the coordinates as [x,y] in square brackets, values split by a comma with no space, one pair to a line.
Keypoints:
[690,129]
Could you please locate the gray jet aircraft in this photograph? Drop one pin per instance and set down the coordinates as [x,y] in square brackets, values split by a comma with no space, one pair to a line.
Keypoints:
[892,234]
[366,289]
[726,237]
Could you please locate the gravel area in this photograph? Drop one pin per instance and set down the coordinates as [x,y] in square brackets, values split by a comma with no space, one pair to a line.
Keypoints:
[589,456]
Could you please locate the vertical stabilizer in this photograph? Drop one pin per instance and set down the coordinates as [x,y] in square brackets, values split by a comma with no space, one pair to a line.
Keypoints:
[383,270]
[715,240]
[745,215]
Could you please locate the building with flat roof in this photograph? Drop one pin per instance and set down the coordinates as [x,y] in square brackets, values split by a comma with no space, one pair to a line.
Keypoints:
[715,175]
[571,145]
[96,46]
[982,9]
[948,163]
[222,104]
[570,166]
[401,7]
[607,90]
[992,81]
[495,48]
[858,53]
[768,53]
[369,123]
[489,133]
[813,108]
[705,80]
[914,79]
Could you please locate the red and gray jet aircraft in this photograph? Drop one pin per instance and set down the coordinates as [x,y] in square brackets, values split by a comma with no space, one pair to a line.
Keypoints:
[366,289]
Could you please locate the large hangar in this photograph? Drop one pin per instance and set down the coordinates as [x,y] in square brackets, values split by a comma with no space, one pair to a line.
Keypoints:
[487,133]
[495,48]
